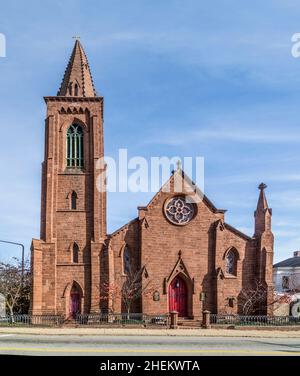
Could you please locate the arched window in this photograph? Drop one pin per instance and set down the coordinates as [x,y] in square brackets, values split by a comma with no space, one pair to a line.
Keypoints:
[230,262]
[75,252]
[126,261]
[76,90]
[75,146]
[74,200]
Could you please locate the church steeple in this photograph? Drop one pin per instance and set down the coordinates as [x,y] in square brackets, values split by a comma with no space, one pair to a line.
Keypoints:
[77,81]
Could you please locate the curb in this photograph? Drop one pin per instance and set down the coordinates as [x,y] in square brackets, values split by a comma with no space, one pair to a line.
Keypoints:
[152,332]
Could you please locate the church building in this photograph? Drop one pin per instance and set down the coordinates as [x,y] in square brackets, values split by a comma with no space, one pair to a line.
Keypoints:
[185,255]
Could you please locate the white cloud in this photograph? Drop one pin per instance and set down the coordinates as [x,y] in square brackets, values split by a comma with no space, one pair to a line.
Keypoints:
[257,177]
[243,133]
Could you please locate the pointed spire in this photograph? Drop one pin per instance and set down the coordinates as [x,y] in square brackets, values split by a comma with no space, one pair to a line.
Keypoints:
[262,203]
[262,213]
[77,81]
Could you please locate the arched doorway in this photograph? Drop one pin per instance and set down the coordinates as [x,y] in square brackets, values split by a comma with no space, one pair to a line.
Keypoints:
[75,301]
[178,296]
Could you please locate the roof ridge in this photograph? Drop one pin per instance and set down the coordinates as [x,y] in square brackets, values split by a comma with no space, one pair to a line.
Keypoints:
[122,227]
[237,231]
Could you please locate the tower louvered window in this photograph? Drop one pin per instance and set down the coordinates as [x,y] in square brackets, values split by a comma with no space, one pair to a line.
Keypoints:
[75,146]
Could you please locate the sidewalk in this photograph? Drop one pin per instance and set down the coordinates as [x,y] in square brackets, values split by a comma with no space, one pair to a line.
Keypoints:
[154,332]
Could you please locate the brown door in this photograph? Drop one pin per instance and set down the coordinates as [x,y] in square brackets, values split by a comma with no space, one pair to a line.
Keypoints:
[178,296]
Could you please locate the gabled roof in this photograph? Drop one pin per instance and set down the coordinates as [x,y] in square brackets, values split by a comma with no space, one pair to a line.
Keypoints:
[123,227]
[237,232]
[196,190]
[77,79]
[288,263]
[204,199]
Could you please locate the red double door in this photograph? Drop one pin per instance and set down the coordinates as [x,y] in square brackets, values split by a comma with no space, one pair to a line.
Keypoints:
[178,296]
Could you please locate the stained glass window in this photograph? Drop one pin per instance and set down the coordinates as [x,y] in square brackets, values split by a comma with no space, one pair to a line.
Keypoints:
[230,263]
[126,261]
[178,211]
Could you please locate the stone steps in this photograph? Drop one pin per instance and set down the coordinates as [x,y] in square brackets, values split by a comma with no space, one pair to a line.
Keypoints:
[188,323]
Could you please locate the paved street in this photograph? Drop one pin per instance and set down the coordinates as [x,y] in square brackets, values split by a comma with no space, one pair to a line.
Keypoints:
[145,345]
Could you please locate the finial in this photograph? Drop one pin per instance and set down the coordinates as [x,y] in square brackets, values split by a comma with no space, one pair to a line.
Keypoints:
[76,37]
[178,163]
[262,186]
[179,254]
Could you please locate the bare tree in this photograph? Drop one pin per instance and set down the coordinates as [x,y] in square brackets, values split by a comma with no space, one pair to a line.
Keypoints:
[133,288]
[127,289]
[251,299]
[110,292]
[15,286]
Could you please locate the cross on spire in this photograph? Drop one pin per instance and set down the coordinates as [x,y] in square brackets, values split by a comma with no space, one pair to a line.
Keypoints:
[178,163]
[262,186]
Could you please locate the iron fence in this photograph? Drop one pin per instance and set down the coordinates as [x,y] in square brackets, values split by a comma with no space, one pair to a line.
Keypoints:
[239,320]
[108,320]
[123,319]
[31,320]
[141,320]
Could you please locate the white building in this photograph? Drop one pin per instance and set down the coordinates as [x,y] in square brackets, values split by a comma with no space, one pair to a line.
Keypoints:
[286,278]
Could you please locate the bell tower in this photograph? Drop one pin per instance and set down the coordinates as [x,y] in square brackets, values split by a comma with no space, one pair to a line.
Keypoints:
[66,259]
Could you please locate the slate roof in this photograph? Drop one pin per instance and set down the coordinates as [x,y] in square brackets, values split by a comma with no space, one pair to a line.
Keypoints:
[288,263]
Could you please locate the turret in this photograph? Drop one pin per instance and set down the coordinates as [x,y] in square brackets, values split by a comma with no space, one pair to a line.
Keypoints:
[263,213]
[265,244]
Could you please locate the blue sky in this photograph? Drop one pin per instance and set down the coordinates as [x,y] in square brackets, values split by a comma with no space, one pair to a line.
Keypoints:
[188,78]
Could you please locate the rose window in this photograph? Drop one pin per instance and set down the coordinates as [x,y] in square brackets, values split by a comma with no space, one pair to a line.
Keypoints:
[178,211]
